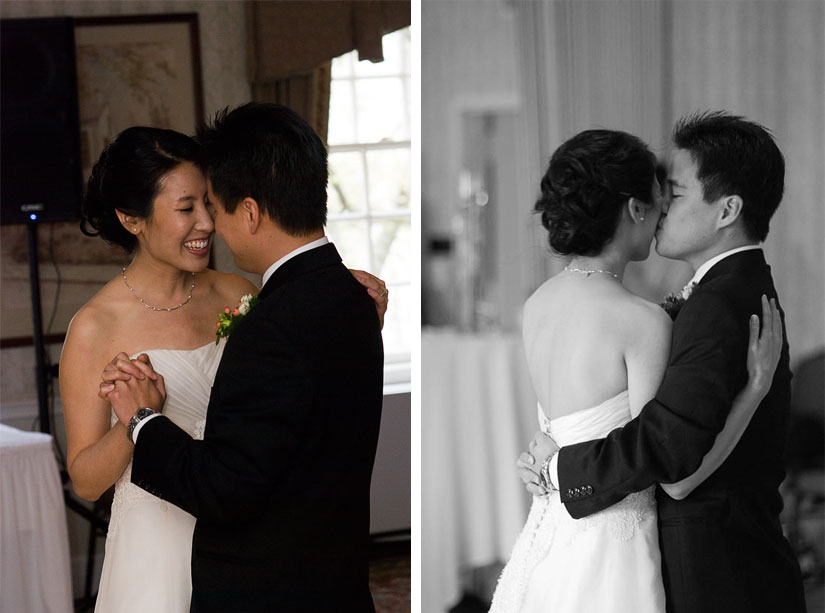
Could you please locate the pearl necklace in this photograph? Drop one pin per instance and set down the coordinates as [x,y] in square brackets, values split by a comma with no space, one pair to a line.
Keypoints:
[149,306]
[590,272]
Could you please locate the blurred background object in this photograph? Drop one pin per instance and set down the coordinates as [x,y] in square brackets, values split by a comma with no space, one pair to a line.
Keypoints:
[503,84]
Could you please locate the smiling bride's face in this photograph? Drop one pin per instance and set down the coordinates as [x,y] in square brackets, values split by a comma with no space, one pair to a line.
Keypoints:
[180,229]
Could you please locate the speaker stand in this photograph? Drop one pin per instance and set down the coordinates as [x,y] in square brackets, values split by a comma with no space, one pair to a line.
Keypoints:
[37,328]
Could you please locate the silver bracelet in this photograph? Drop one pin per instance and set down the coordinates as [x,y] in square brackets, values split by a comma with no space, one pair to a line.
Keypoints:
[544,474]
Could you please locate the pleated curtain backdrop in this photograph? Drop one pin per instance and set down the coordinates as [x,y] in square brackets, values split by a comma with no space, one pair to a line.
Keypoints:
[307,94]
[291,45]
[640,65]
[766,61]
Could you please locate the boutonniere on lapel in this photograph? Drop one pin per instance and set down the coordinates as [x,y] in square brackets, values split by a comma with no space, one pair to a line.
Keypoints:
[672,303]
[228,320]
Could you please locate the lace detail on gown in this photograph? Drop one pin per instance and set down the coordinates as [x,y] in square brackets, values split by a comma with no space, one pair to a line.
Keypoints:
[551,538]
[147,534]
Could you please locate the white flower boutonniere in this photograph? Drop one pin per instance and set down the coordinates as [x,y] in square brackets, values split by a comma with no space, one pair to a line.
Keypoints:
[228,320]
[672,303]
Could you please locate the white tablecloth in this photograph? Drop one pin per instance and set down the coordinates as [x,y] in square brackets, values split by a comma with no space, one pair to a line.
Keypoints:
[478,412]
[34,546]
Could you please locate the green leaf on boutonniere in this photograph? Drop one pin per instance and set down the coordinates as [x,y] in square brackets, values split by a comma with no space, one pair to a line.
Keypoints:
[229,319]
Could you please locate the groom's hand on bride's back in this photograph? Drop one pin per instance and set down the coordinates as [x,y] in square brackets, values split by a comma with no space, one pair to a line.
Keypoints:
[129,385]
[531,462]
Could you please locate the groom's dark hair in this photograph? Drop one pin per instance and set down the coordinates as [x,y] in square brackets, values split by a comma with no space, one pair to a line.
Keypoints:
[267,152]
[735,156]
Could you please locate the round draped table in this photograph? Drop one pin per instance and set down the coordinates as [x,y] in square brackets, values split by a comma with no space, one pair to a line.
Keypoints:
[34,546]
[478,413]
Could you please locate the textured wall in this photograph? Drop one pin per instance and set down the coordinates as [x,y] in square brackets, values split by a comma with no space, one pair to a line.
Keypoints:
[222,36]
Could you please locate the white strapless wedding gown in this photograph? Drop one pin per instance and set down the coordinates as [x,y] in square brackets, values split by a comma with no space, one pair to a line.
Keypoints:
[607,562]
[147,567]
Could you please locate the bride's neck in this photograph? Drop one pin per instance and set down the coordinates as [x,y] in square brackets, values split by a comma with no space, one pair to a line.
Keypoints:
[608,261]
[157,277]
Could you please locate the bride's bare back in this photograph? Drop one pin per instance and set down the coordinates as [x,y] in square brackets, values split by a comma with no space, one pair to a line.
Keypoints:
[587,339]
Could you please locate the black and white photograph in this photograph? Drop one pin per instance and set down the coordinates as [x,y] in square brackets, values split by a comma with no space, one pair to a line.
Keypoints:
[610,191]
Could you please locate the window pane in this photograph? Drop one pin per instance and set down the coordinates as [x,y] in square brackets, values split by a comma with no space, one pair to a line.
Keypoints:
[341,127]
[342,65]
[381,110]
[397,328]
[391,248]
[370,103]
[388,171]
[350,238]
[346,183]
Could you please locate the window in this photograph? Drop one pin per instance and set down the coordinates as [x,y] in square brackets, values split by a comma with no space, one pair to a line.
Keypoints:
[369,182]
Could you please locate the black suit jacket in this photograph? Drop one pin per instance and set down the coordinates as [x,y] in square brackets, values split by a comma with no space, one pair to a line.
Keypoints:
[280,483]
[722,546]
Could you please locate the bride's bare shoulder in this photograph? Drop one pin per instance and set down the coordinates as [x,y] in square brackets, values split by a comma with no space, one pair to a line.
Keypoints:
[542,298]
[639,313]
[229,287]
[95,322]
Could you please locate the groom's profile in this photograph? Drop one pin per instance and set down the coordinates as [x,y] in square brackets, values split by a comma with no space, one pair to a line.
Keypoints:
[280,483]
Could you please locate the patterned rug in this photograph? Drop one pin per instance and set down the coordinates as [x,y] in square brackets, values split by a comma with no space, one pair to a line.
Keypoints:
[390,584]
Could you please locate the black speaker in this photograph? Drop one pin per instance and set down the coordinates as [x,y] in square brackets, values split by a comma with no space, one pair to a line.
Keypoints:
[40,165]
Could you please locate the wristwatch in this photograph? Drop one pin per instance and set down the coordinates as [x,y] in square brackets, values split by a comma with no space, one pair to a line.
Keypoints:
[136,419]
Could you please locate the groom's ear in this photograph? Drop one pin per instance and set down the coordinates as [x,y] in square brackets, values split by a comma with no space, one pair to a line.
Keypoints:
[636,209]
[251,212]
[730,211]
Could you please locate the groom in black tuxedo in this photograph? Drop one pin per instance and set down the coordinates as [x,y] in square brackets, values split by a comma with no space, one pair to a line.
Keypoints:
[722,546]
[280,483]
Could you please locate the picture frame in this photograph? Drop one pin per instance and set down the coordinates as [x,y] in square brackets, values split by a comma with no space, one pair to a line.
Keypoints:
[131,70]
[136,70]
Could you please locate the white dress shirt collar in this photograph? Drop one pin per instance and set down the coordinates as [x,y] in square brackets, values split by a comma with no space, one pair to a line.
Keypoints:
[704,268]
[303,248]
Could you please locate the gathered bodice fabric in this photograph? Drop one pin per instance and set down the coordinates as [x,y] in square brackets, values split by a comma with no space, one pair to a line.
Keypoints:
[149,543]
[606,562]
[587,424]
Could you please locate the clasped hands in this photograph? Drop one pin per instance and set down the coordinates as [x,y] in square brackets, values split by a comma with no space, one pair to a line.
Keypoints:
[129,385]
[530,463]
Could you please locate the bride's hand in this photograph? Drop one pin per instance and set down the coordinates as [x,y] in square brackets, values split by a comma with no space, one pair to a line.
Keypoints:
[765,348]
[121,368]
[377,290]
[128,395]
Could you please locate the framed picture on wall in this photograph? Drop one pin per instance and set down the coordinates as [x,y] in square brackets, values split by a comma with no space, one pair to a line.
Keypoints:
[141,70]
[131,70]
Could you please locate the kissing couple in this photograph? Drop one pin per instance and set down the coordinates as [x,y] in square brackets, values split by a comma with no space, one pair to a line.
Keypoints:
[657,467]
[242,467]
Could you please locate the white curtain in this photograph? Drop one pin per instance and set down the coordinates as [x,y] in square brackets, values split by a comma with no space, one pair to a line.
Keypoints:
[640,65]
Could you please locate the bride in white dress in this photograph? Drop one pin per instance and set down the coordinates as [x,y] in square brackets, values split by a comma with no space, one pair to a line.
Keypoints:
[596,354]
[144,527]
[147,195]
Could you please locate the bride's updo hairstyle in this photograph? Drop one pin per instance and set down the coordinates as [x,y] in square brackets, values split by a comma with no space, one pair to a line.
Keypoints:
[127,178]
[589,180]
